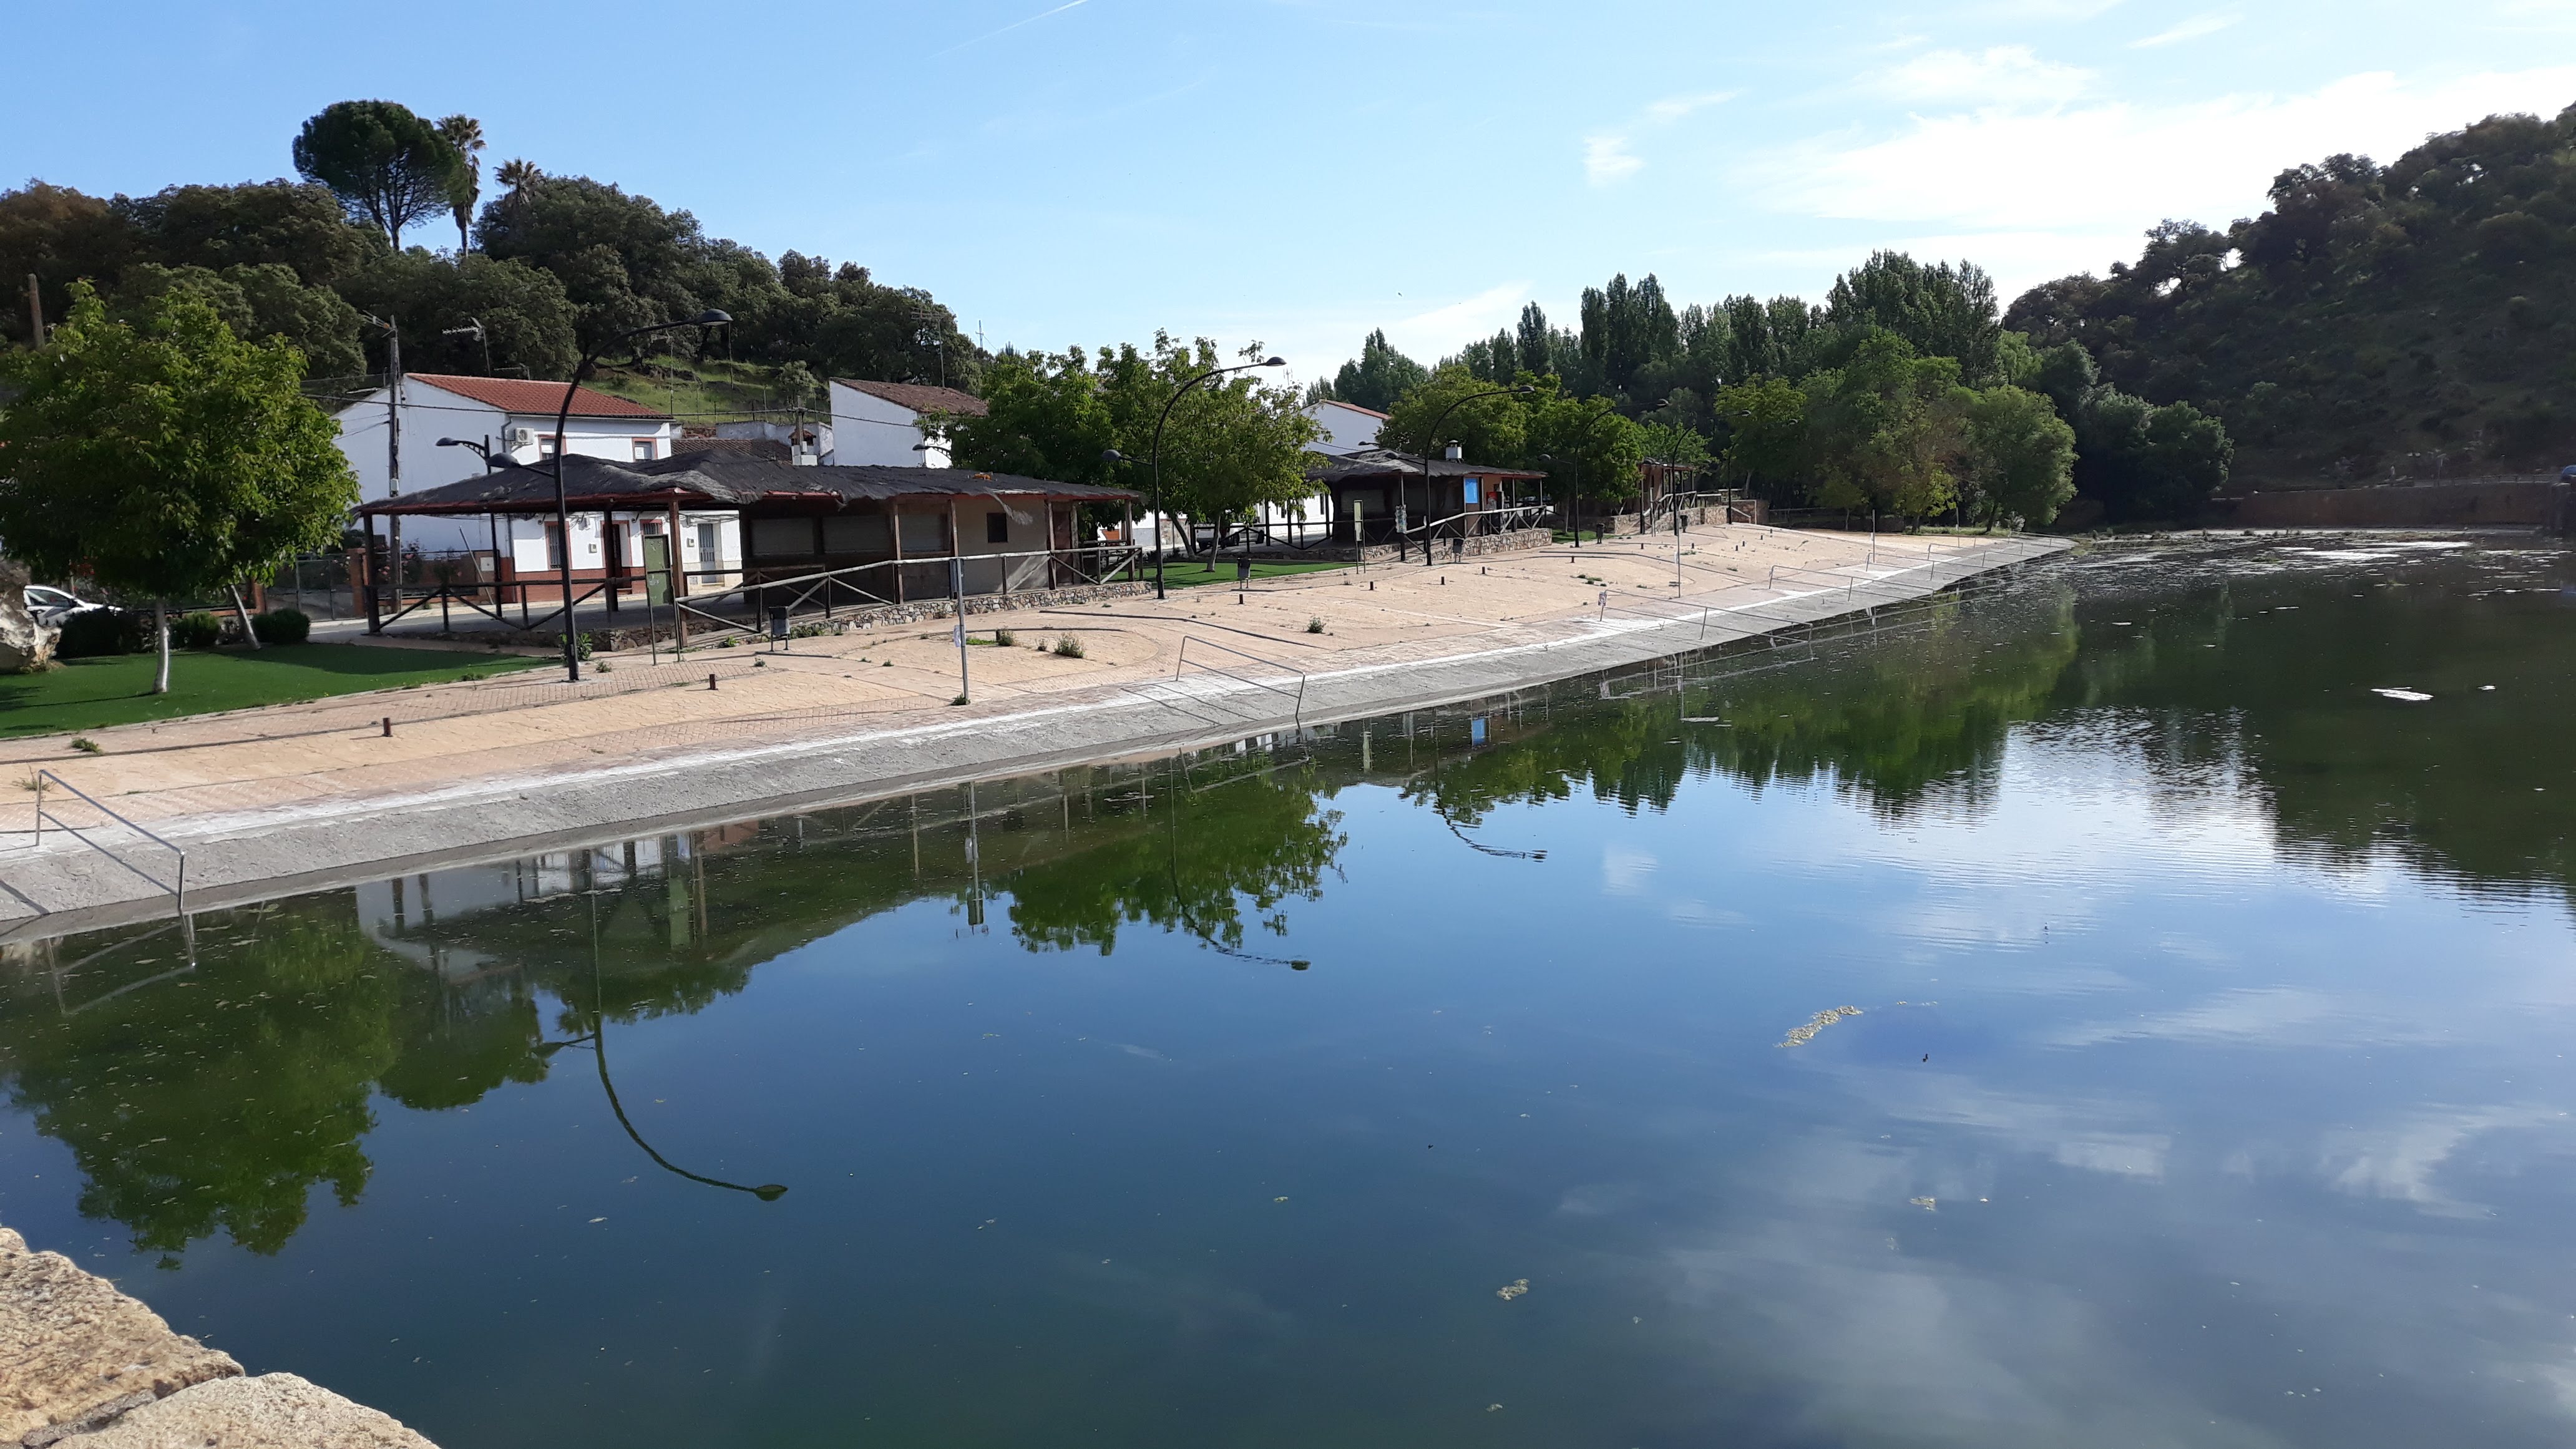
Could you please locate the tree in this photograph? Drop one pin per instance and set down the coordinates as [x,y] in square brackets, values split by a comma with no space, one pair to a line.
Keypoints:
[385,164]
[166,457]
[1766,424]
[527,320]
[1045,417]
[2140,461]
[1232,445]
[1587,448]
[264,300]
[1378,376]
[465,134]
[286,223]
[58,236]
[1492,429]
[1944,311]
[1884,430]
[2021,456]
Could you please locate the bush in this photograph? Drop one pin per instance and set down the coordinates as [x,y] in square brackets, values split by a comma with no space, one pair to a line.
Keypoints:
[1005,638]
[1068,647]
[1315,625]
[93,632]
[281,626]
[199,630]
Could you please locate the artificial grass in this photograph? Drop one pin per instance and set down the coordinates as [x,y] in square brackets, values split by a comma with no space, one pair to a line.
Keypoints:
[1185,575]
[88,694]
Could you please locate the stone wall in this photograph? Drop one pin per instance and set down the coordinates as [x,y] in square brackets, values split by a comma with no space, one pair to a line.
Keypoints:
[2523,502]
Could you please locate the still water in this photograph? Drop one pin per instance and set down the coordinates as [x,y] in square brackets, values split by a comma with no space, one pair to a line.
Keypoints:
[1422,1080]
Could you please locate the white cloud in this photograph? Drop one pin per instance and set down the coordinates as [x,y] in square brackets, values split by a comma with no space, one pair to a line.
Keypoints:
[2192,29]
[1673,108]
[2007,75]
[1625,872]
[1606,159]
[2078,171]
[2400,1162]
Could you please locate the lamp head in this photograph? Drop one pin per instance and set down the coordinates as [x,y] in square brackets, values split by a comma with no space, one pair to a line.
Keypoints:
[713,318]
[1112,455]
[452,443]
[1274,362]
[770,1192]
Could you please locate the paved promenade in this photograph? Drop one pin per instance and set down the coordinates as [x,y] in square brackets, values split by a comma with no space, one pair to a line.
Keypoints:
[298,797]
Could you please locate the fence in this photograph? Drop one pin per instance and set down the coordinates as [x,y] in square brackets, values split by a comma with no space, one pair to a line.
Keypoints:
[177,887]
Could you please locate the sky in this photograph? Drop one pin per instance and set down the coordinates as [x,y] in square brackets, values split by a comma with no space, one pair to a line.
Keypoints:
[1296,172]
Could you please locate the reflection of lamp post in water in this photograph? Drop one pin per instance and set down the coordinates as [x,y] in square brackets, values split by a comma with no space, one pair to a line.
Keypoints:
[598,1034]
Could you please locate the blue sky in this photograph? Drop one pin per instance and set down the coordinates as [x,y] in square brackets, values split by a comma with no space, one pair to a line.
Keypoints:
[1299,171]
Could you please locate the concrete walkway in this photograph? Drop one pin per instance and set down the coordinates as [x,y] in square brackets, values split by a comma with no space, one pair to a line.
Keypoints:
[82,1366]
[268,802]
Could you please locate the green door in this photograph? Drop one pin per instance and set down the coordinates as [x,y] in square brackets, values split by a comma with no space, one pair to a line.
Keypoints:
[657,568]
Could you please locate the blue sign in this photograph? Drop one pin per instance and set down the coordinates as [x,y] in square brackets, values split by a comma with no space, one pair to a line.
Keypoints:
[1471,491]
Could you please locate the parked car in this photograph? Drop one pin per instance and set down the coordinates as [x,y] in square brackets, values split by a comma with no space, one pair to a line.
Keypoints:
[52,605]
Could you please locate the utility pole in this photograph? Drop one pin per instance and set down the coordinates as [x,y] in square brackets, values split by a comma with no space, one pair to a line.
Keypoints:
[35,313]
[393,452]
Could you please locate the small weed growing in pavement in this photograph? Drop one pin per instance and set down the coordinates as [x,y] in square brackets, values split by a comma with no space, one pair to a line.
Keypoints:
[87,746]
[724,643]
[889,664]
[1068,647]
[1315,625]
[961,699]
[607,668]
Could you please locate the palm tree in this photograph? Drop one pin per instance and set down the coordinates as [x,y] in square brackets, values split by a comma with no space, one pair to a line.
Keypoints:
[465,134]
[518,176]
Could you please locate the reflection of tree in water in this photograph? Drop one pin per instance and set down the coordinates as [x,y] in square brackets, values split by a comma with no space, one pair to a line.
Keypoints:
[1214,835]
[217,1101]
[2285,709]
[1889,720]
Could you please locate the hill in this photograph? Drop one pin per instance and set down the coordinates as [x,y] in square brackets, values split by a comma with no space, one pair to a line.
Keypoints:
[2411,320]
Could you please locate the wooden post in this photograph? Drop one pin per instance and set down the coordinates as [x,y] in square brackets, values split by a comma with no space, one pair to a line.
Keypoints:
[375,609]
[894,535]
[679,580]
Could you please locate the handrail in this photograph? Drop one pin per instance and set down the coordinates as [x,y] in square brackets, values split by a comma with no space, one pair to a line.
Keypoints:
[180,890]
[1182,662]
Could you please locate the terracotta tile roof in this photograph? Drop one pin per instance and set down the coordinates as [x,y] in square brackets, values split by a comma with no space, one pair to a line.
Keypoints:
[918,396]
[516,395]
[1354,407]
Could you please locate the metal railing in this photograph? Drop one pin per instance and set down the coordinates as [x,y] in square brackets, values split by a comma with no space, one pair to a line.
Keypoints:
[1298,694]
[178,890]
[819,591]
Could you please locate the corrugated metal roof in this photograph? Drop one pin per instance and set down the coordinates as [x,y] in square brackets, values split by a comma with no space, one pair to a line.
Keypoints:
[1388,463]
[516,395]
[921,397]
[719,480]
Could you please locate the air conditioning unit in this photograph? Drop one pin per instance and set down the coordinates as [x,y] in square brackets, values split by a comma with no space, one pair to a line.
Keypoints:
[523,437]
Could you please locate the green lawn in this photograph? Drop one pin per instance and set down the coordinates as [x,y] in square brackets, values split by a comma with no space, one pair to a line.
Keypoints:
[88,694]
[1182,575]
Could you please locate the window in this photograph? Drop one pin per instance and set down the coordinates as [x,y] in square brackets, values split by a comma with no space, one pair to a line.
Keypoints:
[554,546]
[545,445]
[997,527]
[643,450]
[924,534]
[782,538]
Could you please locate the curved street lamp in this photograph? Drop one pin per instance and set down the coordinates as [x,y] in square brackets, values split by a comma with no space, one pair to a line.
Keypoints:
[563,513]
[1432,440]
[1112,455]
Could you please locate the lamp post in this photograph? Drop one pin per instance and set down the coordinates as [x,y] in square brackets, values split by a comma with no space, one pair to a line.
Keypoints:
[1432,441]
[563,511]
[1112,455]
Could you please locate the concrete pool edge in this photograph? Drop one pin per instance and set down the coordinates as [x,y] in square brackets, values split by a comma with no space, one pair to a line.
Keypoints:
[261,855]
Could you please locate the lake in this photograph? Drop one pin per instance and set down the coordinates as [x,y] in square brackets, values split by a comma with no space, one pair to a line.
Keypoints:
[1485,1075]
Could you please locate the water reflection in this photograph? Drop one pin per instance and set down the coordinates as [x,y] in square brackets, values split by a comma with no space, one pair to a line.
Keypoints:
[2064,843]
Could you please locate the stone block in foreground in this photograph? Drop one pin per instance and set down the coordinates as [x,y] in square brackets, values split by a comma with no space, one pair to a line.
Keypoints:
[75,1353]
[273,1411]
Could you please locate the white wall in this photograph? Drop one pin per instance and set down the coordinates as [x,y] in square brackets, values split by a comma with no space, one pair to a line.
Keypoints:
[431,413]
[1346,428]
[866,429]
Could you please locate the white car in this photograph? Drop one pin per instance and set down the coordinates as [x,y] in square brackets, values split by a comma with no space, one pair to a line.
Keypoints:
[52,606]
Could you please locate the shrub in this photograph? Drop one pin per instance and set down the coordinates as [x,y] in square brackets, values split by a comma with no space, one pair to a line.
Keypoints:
[93,632]
[1315,625]
[1068,647]
[199,630]
[1005,638]
[281,626]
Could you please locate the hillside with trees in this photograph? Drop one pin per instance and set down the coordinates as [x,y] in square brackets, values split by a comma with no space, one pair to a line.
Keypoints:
[546,266]
[2410,319]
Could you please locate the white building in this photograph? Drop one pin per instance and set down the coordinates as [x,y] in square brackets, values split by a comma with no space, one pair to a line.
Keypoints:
[514,420]
[1348,427]
[880,422]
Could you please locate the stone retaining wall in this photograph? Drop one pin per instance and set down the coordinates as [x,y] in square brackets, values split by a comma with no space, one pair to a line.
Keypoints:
[2469,503]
